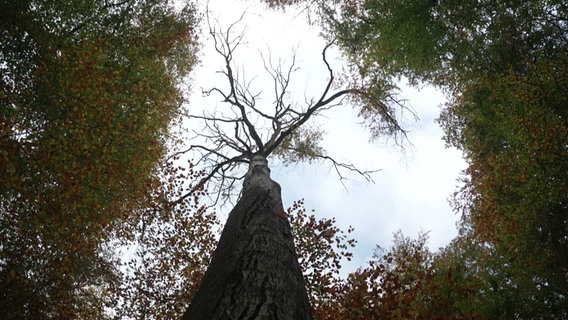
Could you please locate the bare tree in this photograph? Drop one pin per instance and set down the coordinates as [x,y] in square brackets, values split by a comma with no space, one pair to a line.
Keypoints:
[230,136]
[254,273]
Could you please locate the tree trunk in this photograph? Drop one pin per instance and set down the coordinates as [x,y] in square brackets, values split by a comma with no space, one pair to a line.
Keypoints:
[254,273]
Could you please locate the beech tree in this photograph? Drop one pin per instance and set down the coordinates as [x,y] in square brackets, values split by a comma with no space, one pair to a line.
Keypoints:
[503,64]
[254,272]
[88,90]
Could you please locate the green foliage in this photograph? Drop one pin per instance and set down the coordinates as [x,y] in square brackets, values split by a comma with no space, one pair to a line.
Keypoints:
[515,196]
[510,120]
[387,38]
[87,93]
[441,41]
[301,145]
[504,65]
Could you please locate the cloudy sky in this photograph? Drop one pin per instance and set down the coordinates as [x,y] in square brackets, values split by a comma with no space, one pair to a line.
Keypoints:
[412,188]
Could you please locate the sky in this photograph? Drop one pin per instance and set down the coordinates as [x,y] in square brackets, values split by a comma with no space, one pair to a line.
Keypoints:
[410,193]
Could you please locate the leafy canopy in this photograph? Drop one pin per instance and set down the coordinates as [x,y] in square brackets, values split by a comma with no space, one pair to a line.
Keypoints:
[503,65]
[87,95]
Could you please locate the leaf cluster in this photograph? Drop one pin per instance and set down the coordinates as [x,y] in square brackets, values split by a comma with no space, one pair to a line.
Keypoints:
[301,145]
[166,249]
[321,247]
[408,281]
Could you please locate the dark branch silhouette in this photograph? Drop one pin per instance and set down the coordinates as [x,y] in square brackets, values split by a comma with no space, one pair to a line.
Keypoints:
[232,133]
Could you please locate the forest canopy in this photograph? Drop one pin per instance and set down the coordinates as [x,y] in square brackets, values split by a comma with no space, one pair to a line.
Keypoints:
[90,173]
[87,96]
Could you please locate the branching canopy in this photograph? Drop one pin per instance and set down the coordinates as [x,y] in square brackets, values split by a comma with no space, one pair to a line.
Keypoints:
[241,127]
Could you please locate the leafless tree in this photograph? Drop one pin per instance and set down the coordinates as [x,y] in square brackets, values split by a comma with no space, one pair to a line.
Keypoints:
[231,135]
[254,272]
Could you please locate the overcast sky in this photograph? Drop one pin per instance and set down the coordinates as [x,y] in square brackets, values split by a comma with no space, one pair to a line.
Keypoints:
[412,189]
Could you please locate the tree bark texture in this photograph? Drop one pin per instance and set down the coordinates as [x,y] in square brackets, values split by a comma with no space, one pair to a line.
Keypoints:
[254,272]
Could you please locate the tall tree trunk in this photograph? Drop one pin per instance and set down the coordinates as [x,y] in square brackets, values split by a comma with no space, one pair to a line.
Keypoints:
[254,273]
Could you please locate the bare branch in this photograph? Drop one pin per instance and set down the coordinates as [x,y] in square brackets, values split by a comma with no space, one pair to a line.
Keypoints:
[232,139]
[350,167]
[220,167]
[226,49]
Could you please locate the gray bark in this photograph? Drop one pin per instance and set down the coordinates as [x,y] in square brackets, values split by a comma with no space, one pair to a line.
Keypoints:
[254,273]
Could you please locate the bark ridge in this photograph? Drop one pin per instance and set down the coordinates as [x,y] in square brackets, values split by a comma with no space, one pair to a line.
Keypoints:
[254,273]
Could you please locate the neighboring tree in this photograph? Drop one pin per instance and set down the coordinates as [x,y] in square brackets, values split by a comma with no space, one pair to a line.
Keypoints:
[321,248]
[515,138]
[504,64]
[254,272]
[88,90]
[389,286]
[165,248]
[410,282]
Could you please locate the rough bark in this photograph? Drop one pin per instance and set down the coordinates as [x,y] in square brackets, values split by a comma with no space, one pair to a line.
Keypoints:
[254,273]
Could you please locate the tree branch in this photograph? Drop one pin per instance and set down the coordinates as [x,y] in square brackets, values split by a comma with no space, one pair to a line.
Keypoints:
[235,139]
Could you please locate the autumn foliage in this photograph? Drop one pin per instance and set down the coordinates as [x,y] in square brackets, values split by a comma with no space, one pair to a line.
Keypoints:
[165,248]
[321,247]
[87,96]
[101,219]
[503,65]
